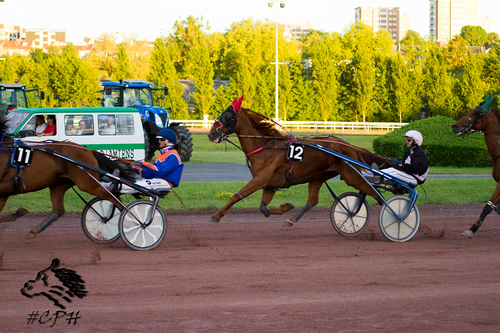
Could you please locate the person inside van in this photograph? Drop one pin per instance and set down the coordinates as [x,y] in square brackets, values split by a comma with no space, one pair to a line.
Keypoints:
[82,128]
[41,125]
[109,128]
[51,126]
[70,130]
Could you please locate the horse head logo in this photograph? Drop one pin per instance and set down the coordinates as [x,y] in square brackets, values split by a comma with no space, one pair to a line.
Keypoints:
[57,284]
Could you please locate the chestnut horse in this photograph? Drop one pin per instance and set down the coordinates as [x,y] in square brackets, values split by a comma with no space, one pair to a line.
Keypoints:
[47,170]
[266,150]
[481,119]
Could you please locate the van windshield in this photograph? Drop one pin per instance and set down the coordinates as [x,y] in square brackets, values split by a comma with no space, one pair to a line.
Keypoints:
[15,119]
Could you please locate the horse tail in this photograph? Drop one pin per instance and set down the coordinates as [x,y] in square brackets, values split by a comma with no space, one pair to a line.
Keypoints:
[369,158]
[108,165]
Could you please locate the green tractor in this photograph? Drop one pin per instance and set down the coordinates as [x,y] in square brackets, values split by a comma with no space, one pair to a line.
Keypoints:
[16,95]
[150,102]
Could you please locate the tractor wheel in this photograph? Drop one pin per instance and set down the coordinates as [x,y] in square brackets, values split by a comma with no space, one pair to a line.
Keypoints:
[150,145]
[184,145]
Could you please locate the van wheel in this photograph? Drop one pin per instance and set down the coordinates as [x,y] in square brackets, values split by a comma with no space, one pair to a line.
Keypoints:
[185,145]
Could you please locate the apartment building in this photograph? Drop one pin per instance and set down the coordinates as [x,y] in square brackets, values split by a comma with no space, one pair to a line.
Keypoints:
[447,17]
[43,38]
[11,32]
[384,18]
[297,30]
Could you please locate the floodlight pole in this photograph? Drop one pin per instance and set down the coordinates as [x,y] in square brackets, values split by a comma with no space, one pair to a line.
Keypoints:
[282,5]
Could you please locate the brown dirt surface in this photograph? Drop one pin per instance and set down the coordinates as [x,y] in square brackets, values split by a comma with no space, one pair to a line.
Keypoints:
[249,274]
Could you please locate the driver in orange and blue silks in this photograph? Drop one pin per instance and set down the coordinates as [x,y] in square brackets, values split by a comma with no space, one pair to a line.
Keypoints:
[168,165]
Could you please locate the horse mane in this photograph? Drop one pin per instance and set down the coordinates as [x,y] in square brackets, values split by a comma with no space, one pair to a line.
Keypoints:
[3,126]
[262,123]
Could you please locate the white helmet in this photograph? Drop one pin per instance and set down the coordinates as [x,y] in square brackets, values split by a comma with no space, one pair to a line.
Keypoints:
[416,136]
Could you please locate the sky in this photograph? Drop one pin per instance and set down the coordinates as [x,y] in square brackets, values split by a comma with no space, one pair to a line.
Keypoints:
[149,19]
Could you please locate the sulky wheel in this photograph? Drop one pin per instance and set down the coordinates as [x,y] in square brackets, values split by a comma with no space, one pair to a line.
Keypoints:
[100,221]
[136,229]
[394,229]
[344,217]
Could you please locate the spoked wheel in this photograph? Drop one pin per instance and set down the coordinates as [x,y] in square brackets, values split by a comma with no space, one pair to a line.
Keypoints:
[136,228]
[394,229]
[344,217]
[100,221]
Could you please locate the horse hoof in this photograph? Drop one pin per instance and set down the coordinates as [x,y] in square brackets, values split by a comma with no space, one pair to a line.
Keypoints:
[467,233]
[288,223]
[20,212]
[215,220]
[30,235]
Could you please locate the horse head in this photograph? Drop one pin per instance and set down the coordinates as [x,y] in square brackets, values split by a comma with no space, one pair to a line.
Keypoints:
[56,284]
[474,120]
[226,123]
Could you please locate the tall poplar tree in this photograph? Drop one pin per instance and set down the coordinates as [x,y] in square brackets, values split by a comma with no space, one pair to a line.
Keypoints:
[471,88]
[122,69]
[162,72]
[203,73]
[363,82]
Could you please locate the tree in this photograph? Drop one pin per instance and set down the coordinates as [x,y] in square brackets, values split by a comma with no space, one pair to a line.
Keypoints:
[285,92]
[162,72]
[493,37]
[72,80]
[400,87]
[203,72]
[412,38]
[187,35]
[471,88]
[324,53]
[363,82]
[122,69]
[7,70]
[437,84]
[456,52]
[474,35]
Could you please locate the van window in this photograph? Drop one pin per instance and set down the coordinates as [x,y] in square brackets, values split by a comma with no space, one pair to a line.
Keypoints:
[79,125]
[125,124]
[120,124]
[107,124]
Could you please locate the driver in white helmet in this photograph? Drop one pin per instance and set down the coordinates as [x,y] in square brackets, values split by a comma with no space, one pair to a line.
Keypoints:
[415,165]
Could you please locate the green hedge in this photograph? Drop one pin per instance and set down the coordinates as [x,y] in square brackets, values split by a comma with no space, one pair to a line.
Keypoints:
[442,146]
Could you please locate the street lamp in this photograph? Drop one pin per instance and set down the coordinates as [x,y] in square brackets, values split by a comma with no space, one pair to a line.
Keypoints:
[282,5]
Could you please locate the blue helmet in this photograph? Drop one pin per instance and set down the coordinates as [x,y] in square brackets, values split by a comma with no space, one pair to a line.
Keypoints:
[168,134]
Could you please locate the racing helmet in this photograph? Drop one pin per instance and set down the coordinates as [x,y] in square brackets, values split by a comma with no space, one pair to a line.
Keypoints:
[416,136]
[167,134]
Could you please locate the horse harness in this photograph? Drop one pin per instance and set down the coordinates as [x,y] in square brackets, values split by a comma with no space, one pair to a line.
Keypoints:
[21,156]
[480,117]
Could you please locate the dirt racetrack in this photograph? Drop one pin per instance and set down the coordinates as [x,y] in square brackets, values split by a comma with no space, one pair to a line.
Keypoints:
[249,274]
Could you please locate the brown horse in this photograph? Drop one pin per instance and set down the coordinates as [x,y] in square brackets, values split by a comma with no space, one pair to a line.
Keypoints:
[267,150]
[481,119]
[47,170]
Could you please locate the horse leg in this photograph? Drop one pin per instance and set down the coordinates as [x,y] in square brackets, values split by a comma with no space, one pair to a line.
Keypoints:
[57,197]
[254,185]
[267,196]
[312,201]
[494,200]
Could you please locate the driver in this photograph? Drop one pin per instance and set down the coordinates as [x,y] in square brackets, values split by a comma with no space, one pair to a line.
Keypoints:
[415,164]
[168,165]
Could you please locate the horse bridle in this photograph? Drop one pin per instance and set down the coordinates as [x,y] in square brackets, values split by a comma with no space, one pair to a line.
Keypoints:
[227,119]
[480,117]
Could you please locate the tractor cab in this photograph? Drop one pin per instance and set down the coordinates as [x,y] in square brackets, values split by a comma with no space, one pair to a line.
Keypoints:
[16,95]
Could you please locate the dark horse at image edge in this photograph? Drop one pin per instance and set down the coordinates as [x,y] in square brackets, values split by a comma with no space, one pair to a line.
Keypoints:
[483,119]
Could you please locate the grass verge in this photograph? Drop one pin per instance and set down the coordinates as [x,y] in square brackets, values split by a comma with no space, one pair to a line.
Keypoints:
[214,195]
